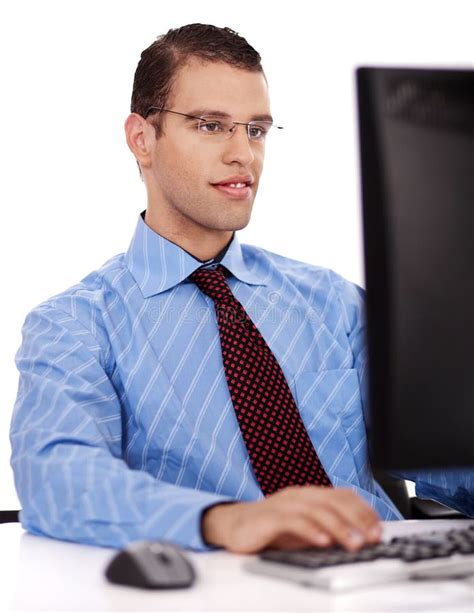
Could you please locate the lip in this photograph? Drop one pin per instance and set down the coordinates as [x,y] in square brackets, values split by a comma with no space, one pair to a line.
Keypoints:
[235,193]
[236,179]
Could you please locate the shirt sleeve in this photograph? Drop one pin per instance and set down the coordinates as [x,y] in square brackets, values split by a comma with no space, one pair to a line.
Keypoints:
[451,487]
[66,439]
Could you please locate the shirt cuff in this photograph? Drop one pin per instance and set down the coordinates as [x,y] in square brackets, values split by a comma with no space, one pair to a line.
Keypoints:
[187,529]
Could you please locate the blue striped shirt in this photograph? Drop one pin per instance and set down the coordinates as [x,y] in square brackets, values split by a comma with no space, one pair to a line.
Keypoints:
[123,426]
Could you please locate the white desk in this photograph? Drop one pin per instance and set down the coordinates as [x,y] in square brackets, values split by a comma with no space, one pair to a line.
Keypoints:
[47,575]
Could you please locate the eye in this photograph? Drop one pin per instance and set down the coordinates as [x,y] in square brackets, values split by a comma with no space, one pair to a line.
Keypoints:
[258,132]
[210,127]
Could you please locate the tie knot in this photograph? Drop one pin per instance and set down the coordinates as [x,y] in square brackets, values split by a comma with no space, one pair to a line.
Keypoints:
[212,281]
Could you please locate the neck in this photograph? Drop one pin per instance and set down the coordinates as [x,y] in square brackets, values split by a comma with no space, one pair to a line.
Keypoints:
[202,245]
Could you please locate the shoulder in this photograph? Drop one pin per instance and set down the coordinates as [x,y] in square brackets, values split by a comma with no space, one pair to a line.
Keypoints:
[81,308]
[323,289]
[89,291]
[303,273]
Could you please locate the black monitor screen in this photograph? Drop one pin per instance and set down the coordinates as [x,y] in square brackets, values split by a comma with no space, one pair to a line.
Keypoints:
[416,129]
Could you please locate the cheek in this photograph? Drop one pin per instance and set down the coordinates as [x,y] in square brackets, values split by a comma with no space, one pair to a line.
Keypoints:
[259,156]
[191,161]
[176,164]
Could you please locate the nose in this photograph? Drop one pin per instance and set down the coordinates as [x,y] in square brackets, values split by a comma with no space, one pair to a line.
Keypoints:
[238,147]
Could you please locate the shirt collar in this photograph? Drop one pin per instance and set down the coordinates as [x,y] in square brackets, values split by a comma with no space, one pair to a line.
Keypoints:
[157,264]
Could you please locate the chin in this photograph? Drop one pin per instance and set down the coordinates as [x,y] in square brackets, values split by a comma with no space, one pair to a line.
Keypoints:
[231,219]
[238,223]
[242,225]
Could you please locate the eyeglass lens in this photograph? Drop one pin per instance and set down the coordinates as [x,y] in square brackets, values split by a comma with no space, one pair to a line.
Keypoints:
[222,129]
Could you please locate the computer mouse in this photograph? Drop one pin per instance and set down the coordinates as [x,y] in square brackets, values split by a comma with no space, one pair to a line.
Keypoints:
[151,564]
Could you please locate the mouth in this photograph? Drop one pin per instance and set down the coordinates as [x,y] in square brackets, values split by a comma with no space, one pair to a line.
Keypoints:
[235,193]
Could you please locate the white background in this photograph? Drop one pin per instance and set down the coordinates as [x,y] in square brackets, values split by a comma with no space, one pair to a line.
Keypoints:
[70,192]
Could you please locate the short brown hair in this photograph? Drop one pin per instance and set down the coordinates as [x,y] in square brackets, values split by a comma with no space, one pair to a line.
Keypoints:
[160,62]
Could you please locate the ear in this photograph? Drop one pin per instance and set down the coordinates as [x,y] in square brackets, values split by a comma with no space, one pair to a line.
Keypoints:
[140,135]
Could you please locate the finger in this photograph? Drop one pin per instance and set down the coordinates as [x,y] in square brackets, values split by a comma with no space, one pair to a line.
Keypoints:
[301,530]
[288,541]
[350,508]
[261,530]
[330,521]
[357,512]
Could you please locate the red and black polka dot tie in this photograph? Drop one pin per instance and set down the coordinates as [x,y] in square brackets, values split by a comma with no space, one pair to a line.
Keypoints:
[279,447]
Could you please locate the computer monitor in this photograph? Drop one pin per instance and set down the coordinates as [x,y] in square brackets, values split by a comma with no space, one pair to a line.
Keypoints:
[416,134]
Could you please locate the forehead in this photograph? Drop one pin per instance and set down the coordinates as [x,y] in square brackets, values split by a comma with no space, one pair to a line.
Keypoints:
[216,85]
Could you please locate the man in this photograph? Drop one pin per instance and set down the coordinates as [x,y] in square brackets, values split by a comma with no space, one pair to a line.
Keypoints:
[194,389]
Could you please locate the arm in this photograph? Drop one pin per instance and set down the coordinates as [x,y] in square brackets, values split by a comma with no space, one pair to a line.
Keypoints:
[451,487]
[66,438]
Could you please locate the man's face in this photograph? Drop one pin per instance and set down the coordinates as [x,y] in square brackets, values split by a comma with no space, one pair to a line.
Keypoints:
[185,164]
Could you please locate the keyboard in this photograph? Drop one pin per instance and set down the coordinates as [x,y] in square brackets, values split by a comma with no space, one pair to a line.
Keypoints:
[431,555]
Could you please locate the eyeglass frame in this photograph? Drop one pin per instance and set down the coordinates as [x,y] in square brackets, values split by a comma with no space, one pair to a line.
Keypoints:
[240,123]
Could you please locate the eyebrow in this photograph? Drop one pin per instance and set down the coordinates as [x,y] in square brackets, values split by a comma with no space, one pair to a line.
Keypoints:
[214,113]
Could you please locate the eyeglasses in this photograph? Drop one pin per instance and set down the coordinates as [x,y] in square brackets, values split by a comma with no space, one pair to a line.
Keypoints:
[219,129]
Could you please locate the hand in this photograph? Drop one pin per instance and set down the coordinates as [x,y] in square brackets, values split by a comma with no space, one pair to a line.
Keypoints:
[295,517]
